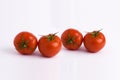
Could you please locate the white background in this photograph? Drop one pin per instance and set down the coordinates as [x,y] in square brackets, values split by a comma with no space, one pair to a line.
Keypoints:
[49,16]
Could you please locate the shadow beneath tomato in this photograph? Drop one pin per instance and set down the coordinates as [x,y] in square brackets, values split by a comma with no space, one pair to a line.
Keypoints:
[10,51]
[37,54]
[82,49]
[85,51]
[79,51]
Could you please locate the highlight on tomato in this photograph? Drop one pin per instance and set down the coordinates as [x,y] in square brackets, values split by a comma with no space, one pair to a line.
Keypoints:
[94,41]
[72,39]
[49,45]
[25,43]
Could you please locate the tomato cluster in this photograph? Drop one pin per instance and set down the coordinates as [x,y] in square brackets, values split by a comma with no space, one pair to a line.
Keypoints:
[49,45]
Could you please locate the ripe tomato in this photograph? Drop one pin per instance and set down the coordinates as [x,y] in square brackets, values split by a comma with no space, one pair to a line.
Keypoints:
[25,43]
[49,45]
[94,41]
[71,39]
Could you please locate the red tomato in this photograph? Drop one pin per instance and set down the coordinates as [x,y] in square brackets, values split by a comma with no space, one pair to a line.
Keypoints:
[49,45]
[94,41]
[25,43]
[71,39]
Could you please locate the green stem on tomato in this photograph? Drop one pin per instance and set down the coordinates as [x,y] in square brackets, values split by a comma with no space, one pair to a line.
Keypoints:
[95,33]
[51,36]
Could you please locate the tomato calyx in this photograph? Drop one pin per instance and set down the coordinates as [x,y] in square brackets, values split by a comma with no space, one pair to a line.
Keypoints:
[70,39]
[23,43]
[50,37]
[95,33]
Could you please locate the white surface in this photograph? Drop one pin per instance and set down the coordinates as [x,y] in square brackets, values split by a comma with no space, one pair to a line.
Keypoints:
[49,16]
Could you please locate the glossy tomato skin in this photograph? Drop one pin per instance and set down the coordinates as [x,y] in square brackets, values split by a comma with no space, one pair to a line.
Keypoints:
[72,39]
[25,43]
[49,45]
[94,43]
